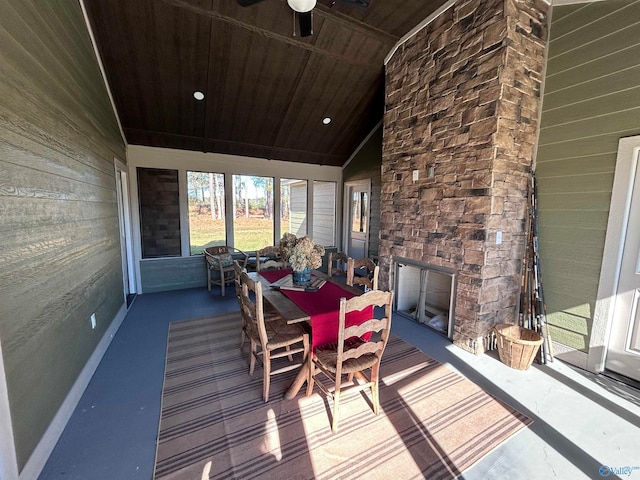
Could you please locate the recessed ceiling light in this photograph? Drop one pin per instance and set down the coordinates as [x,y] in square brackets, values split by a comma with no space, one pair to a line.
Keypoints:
[326,120]
[198,95]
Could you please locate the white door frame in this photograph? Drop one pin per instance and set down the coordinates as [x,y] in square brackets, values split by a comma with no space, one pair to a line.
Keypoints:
[346,212]
[124,219]
[626,162]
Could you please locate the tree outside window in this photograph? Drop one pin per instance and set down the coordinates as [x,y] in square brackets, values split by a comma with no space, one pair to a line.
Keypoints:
[206,210]
[253,219]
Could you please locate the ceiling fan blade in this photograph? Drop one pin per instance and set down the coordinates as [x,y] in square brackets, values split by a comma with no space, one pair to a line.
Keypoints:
[247,3]
[306,23]
[355,3]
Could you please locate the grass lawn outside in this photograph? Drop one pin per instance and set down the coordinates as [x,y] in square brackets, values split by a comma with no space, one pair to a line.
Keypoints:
[250,234]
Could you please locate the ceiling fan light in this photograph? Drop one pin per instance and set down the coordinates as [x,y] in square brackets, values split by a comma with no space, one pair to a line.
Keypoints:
[302,6]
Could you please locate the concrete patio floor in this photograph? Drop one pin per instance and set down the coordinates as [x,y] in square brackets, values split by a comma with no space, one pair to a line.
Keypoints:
[585,426]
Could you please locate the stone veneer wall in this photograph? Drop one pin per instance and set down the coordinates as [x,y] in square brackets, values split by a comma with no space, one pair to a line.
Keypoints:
[462,97]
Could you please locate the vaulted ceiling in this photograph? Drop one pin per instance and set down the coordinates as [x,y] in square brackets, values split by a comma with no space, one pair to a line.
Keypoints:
[266,88]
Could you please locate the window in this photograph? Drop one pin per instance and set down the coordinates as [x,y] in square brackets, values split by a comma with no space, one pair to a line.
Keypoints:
[206,210]
[359,215]
[324,213]
[184,211]
[253,222]
[293,206]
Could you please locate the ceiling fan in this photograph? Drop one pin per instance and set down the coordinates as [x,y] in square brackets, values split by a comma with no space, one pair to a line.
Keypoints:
[304,10]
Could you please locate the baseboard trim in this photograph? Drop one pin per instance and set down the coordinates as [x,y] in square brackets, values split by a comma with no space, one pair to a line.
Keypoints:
[570,355]
[47,443]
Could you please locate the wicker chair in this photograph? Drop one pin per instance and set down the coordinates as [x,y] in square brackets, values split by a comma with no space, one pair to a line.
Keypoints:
[337,264]
[270,340]
[272,256]
[219,260]
[351,355]
[367,270]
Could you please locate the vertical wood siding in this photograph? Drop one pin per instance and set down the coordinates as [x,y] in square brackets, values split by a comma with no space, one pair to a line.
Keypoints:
[58,209]
[591,99]
[324,213]
[298,213]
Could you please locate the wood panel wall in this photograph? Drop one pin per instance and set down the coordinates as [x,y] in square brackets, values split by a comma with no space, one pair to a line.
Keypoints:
[591,99]
[164,274]
[58,210]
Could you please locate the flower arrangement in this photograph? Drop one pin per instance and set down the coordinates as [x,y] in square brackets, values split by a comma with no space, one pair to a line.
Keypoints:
[301,252]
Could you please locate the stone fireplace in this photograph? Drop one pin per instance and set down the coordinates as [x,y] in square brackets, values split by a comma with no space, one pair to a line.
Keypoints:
[460,126]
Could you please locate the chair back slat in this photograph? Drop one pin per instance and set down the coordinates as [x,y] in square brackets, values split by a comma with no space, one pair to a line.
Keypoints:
[366,266]
[360,302]
[337,264]
[271,264]
[373,325]
[217,250]
[273,259]
[364,349]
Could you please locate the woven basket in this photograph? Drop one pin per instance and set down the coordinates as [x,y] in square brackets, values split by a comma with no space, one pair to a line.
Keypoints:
[517,346]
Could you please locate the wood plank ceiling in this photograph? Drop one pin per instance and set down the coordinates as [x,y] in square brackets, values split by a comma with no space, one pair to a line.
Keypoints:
[266,89]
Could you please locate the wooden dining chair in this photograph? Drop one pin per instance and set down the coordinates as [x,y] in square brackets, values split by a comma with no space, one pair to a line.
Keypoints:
[245,332]
[219,261]
[367,273]
[269,257]
[270,340]
[270,313]
[352,355]
[337,264]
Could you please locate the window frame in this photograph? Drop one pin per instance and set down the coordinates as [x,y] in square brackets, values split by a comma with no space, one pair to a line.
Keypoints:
[188,222]
[229,165]
[273,207]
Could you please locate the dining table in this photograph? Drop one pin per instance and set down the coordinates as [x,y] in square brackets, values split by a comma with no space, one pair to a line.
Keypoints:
[319,307]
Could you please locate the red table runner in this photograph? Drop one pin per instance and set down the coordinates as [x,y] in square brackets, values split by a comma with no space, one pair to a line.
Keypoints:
[322,306]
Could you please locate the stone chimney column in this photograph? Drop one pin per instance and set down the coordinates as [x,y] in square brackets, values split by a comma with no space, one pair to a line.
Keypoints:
[462,103]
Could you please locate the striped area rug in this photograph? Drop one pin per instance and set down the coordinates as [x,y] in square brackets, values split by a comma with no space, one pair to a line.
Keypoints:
[433,423]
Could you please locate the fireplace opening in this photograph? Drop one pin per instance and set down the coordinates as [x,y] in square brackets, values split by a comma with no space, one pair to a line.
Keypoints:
[426,294]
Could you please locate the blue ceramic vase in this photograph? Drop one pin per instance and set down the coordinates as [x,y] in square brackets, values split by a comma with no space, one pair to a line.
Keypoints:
[302,277]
